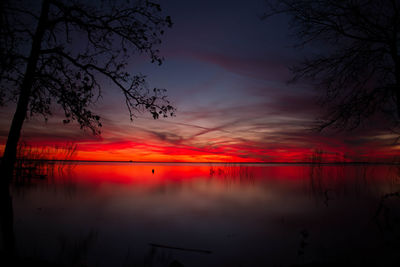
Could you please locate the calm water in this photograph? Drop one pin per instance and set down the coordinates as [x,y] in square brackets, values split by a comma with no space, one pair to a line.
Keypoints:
[121,214]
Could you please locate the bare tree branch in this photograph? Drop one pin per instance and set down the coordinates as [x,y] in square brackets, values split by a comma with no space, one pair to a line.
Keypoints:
[357,61]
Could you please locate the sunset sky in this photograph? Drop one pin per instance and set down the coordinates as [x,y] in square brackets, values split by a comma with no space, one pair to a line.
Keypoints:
[226,72]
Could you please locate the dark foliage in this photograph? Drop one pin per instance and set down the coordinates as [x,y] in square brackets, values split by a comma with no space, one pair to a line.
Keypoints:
[82,41]
[356,56]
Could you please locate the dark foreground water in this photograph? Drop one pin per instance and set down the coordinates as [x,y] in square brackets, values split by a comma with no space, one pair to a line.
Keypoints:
[121,214]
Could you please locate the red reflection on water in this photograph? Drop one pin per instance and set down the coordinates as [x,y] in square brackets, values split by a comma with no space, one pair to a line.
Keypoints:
[131,173]
[219,207]
[124,173]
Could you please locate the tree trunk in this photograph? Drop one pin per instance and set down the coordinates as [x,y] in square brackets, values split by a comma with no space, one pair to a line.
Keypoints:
[10,152]
[397,87]
[398,100]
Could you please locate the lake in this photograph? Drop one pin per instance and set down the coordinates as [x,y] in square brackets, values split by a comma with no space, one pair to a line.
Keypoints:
[124,214]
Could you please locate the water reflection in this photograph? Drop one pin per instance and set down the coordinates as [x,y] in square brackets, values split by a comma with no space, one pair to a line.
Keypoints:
[7,224]
[327,182]
[246,215]
[232,173]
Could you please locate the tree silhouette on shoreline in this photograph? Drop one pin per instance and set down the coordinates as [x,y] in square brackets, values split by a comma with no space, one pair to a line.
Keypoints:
[58,52]
[356,60]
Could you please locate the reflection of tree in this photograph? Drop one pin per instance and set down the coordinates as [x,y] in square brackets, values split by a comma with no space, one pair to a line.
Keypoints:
[387,217]
[396,171]
[7,224]
[337,186]
[327,181]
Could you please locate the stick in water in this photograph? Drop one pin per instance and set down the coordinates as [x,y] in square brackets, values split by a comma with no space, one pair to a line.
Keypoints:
[185,249]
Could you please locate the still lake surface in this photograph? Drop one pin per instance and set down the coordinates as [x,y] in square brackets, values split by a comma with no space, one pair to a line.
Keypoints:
[123,214]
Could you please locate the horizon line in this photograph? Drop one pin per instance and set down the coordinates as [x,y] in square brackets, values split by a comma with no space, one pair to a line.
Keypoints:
[221,162]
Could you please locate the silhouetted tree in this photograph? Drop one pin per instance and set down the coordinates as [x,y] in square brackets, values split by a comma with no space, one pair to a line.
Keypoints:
[356,56]
[62,51]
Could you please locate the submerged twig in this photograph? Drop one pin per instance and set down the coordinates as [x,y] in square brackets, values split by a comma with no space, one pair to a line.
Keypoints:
[184,249]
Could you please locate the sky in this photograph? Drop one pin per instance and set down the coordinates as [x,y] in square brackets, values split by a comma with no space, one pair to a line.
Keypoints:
[226,72]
